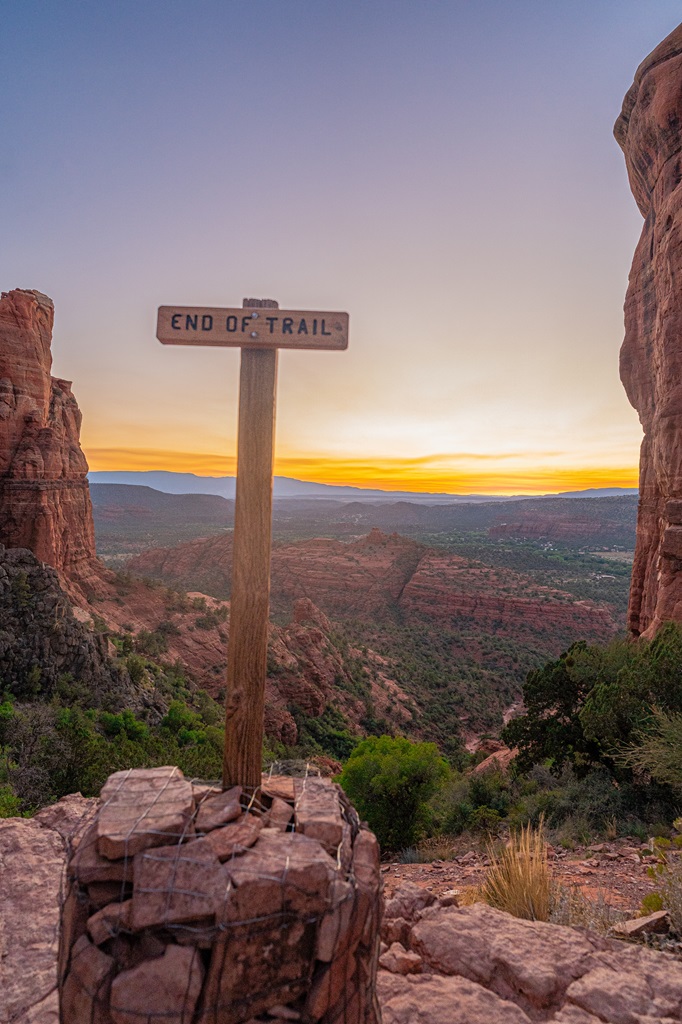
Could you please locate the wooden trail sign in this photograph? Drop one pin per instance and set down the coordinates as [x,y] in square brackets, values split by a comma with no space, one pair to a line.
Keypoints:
[259,333]
[268,327]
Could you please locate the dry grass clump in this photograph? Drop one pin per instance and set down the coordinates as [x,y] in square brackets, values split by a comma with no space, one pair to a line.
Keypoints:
[519,880]
[570,906]
[669,884]
[472,894]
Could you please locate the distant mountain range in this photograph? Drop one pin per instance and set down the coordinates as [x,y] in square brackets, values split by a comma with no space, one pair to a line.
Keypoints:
[287,487]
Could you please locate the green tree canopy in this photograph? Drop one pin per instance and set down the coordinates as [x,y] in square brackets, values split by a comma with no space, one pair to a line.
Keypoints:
[390,781]
[593,701]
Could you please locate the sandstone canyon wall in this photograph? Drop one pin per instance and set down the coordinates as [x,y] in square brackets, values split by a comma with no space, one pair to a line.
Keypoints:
[44,496]
[649,130]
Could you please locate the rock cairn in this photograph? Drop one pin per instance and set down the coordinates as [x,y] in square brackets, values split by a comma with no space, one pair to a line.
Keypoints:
[186,904]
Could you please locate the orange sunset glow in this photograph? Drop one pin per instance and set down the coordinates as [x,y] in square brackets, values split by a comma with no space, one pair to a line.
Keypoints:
[426,474]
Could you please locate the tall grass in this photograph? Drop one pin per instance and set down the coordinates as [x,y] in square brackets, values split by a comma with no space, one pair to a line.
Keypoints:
[570,906]
[518,879]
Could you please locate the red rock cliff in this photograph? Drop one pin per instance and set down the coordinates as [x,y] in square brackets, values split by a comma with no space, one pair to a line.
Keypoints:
[44,495]
[649,130]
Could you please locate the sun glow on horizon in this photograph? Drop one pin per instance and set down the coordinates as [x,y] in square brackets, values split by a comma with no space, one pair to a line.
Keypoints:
[460,473]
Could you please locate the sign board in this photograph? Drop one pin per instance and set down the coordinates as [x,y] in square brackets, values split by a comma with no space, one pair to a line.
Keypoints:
[252,328]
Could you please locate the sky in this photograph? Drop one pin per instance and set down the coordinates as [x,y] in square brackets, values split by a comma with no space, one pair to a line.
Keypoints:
[442,170]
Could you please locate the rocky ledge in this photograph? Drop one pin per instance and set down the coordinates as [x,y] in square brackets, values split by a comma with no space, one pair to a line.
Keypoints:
[443,964]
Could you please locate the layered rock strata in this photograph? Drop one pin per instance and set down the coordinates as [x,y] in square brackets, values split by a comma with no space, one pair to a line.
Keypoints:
[44,497]
[196,905]
[386,576]
[649,130]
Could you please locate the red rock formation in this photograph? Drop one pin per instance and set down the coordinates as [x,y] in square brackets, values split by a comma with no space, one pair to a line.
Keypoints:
[491,966]
[447,588]
[649,130]
[44,496]
[381,576]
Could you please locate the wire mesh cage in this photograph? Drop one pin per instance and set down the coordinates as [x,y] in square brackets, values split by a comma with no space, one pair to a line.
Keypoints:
[185,903]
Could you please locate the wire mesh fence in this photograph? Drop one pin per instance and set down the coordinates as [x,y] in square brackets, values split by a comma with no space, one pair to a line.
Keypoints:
[183,904]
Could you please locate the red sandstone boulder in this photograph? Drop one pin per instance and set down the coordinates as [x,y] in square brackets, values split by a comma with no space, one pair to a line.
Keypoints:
[482,965]
[32,856]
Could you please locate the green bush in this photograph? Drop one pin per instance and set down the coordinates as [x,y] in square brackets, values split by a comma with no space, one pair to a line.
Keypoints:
[485,819]
[328,733]
[10,805]
[136,667]
[390,780]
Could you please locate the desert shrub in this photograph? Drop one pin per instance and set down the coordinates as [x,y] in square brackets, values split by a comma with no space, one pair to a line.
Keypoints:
[184,723]
[651,903]
[570,906]
[485,819]
[136,668]
[168,628]
[410,855]
[21,589]
[657,750]
[475,801]
[391,780]
[327,733]
[574,830]
[49,750]
[71,691]
[518,879]
[593,700]
[669,885]
[124,723]
[151,643]
[10,805]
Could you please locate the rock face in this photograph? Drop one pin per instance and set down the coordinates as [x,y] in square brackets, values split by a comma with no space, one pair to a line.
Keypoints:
[44,497]
[41,640]
[32,856]
[478,964]
[649,130]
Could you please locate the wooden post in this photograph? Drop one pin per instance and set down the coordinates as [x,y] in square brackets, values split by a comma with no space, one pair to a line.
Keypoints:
[250,601]
[259,337]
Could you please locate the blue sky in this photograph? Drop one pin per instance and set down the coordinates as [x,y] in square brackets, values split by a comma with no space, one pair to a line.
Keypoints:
[445,171]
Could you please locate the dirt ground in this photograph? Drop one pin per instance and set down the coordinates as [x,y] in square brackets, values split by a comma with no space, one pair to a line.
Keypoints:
[614,873]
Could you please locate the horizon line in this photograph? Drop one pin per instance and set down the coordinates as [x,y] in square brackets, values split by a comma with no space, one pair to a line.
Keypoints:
[389,480]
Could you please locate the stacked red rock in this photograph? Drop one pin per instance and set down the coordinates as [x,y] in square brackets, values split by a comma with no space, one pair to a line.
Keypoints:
[649,130]
[44,495]
[191,904]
